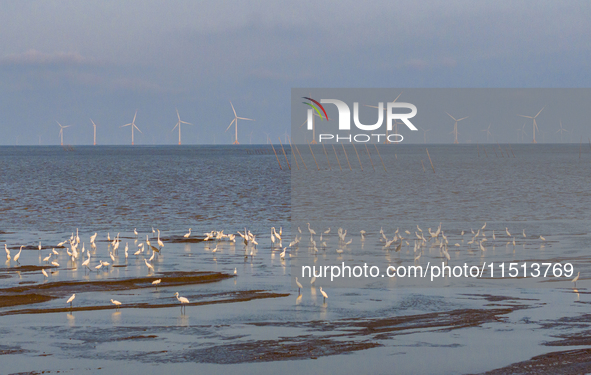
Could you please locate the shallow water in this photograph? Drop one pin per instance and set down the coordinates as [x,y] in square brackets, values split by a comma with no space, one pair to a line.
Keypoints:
[47,193]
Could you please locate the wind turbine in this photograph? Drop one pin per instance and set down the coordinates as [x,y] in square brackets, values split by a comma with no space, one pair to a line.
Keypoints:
[179,125]
[456,126]
[62,131]
[561,130]
[235,122]
[425,134]
[488,133]
[313,127]
[132,124]
[396,123]
[535,126]
[94,126]
[267,134]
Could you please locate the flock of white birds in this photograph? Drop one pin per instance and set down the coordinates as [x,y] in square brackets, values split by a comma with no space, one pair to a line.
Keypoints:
[420,240]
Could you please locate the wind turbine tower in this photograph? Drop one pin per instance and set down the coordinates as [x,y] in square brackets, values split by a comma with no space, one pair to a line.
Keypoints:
[235,122]
[535,125]
[94,126]
[132,124]
[179,125]
[62,132]
[455,132]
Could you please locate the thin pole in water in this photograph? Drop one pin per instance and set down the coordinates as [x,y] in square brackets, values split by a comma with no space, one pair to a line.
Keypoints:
[303,162]
[313,156]
[284,154]
[295,156]
[366,149]
[423,164]
[342,144]
[326,157]
[335,154]
[358,158]
[276,156]
[430,160]
[380,157]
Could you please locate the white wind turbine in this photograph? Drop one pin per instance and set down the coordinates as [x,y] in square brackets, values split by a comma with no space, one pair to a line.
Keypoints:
[455,131]
[396,123]
[62,132]
[267,134]
[133,125]
[94,126]
[535,126]
[488,133]
[235,122]
[425,134]
[179,125]
[561,130]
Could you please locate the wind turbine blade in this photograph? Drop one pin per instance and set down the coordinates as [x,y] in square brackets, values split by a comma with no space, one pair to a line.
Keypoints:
[59,124]
[230,125]
[177,124]
[451,116]
[138,129]
[525,116]
[540,112]
[122,126]
[133,122]
[235,115]
[92,122]
[371,106]
[463,118]
[396,98]
[177,114]
[244,118]
[188,123]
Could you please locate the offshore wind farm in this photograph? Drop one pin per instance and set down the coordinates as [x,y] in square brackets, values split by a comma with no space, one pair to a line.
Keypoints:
[396,187]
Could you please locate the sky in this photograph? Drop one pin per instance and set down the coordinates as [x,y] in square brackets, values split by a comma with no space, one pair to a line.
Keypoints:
[70,61]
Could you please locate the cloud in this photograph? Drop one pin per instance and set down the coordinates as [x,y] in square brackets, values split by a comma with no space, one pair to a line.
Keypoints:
[36,58]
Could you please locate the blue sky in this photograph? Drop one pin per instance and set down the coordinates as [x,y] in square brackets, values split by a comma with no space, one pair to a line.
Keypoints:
[71,61]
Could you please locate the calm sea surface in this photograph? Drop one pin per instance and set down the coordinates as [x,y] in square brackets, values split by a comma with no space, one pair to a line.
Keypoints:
[47,193]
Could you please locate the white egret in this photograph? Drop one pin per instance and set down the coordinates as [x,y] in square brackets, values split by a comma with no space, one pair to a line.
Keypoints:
[44,273]
[151,267]
[71,299]
[542,238]
[39,247]
[19,254]
[300,286]
[116,303]
[156,282]
[160,243]
[576,278]
[55,263]
[282,255]
[312,231]
[100,265]
[507,230]
[235,271]
[135,232]
[87,262]
[7,252]
[182,300]
[323,294]
[188,234]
